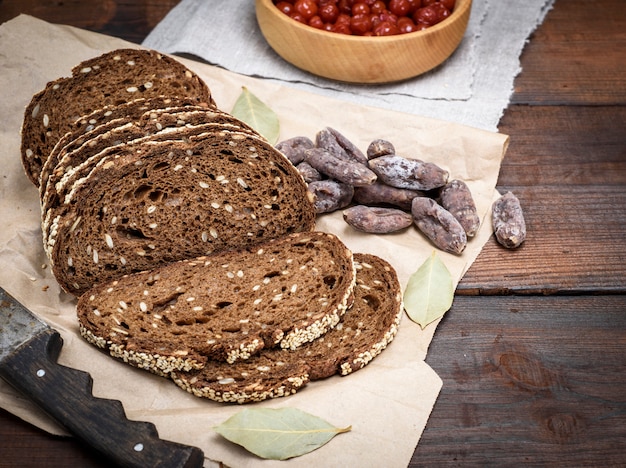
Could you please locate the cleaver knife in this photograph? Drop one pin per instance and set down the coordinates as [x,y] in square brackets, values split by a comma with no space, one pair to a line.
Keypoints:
[29,349]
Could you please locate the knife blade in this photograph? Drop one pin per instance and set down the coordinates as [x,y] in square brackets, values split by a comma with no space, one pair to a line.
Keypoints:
[29,349]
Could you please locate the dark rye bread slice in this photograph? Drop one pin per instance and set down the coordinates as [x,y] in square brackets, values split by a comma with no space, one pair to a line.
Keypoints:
[113,78]
[154,202]
[57,197]
[107,118]
[225,307]
[123,130]
[364,332]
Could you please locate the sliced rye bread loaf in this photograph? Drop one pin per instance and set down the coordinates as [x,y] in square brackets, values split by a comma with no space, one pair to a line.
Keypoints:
[53,203]
[92,145]
[364,332]
[107,118]
[113,78]
[61,185]
[223,307]
[152,202]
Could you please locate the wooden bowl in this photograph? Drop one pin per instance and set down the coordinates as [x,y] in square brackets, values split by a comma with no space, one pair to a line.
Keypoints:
[361,59]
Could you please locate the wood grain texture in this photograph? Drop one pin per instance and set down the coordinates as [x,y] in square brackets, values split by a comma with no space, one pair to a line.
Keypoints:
[532,353]
[529,381]
[574,56]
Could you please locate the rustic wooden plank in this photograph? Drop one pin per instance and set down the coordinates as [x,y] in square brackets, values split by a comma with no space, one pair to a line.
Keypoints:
[26,446]
[576,56]
[128,19]
[575,244]
[529,380]
[564,145]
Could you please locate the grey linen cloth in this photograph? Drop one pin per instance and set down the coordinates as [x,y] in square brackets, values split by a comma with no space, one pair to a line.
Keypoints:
[472,87]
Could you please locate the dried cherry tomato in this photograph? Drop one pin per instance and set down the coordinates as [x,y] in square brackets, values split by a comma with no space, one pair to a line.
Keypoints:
[399,7]
[285,7]
[360,8]
[306,8]
[328,12]
[386,28]
[406,25]
[378,7]
[426,15]
[449,4]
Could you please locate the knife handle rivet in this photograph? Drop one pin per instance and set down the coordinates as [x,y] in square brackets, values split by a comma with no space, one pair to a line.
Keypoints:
[138,447]
[41,373]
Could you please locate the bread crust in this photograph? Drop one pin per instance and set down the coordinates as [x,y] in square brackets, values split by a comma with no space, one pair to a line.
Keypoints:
[223,307]
[363,333]
[112,78]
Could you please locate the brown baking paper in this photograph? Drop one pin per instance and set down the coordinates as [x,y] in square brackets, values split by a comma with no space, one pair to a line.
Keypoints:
[387,403]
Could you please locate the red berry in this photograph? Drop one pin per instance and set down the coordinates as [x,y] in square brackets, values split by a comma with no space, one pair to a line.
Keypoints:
[361,24]
[399,7]
[328,12]
[306,8]
[285,7]
[385,28]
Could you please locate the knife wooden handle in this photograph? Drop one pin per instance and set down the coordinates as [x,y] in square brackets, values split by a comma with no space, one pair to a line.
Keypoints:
[66,395]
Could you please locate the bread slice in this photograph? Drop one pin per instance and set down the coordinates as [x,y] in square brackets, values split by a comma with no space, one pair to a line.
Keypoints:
[92,145]
[153,202]
[113,78]
[364,331]
[224,307]
[107,118]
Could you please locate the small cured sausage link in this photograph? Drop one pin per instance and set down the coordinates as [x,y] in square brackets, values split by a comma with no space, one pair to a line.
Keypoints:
[330,195]
[377,220]
[309,173]
[294,148]
[438,225]
[350,148]
[407,173]
[383,194]
[456,197]
[348,172]
[378,148]
[509,225]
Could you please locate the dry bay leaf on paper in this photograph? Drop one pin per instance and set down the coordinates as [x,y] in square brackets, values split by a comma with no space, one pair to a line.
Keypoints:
[257,114]
[429,292]
[278,434]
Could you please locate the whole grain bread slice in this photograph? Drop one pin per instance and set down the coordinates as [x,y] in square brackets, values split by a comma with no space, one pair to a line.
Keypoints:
[113,78]
[107,118]
[223,307]
[153,202]
[92,145]
[364,332]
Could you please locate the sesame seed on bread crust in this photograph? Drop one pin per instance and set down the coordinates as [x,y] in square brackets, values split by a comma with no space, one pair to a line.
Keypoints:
[223,307]
[363,332]
[113,78]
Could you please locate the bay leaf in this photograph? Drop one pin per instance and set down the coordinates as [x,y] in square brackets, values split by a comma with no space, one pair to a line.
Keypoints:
[257,114]
[278,434]
[429,292]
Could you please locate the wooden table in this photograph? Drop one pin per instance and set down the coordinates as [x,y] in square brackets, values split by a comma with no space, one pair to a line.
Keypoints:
[533,352]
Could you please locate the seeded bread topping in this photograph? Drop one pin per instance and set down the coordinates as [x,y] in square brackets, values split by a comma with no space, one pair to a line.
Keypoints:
[364,331]
[79,155]
[223,307]
[153,202]
[107,118]
[113,78]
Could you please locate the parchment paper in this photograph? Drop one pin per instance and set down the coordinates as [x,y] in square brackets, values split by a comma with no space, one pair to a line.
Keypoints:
[387,403]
